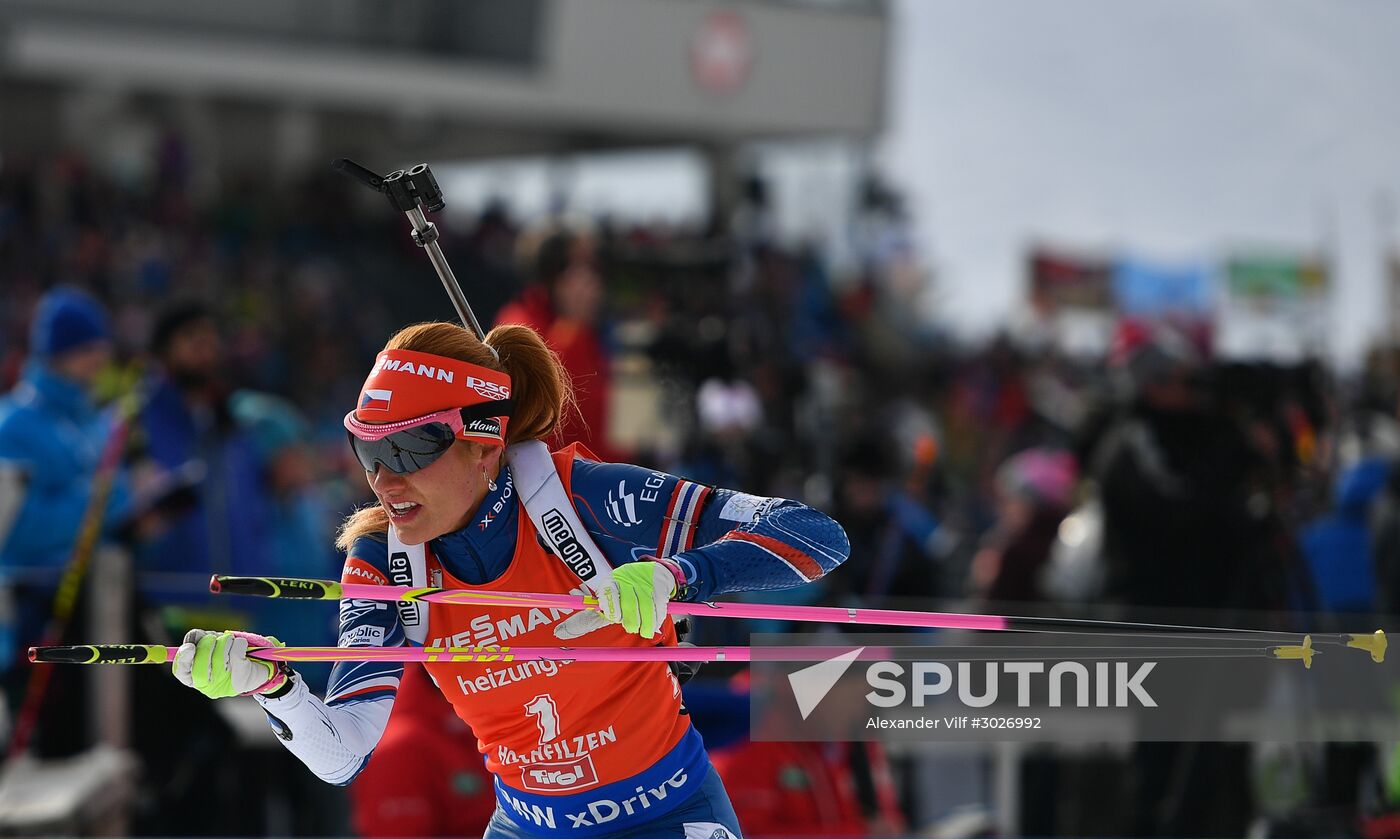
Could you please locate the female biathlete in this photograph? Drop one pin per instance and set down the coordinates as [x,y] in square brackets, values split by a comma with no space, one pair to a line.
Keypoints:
[577,749]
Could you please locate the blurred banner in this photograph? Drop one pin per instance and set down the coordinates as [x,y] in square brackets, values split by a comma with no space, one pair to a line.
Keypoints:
[1276,278]
[1146,289]
[1061,279]
[1276,304]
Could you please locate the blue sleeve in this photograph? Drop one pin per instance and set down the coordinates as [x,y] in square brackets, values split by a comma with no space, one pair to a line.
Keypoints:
[725,541]
[366,623]
[45,525]
[337,737]
[52,498]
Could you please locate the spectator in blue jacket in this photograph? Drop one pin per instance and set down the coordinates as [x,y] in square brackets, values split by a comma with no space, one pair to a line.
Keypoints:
[189,428]
[1338,545]
[51,438]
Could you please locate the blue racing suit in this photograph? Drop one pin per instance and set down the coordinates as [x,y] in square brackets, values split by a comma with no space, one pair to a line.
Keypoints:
[724,541]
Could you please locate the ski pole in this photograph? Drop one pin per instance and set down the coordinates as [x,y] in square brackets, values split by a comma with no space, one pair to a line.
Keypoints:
[308,589]
[158,654]
[412,192]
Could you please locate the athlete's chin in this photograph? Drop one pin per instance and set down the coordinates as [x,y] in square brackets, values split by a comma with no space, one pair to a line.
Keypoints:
[416,533]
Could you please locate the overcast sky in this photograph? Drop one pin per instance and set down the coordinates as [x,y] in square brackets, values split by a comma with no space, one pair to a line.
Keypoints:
[1172,128]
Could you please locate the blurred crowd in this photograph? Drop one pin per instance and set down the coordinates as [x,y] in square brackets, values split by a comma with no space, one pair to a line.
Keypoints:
[219,334]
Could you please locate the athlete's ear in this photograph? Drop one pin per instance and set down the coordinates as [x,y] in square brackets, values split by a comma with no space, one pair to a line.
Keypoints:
[491,459]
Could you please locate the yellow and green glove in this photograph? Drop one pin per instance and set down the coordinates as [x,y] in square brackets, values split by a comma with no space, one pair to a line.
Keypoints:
[636,598]
[217,664]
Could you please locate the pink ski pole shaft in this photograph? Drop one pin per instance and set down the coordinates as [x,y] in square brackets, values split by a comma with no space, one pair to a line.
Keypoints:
[292,587]
[157,654]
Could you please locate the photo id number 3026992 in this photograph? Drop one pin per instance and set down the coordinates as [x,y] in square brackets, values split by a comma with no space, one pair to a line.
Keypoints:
[1000,722]
[956,722]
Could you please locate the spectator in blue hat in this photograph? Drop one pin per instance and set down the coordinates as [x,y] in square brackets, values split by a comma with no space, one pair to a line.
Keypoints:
[51,438]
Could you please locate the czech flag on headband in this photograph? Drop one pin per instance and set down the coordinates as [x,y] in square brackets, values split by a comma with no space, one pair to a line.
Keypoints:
[375,400]
[406,385]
